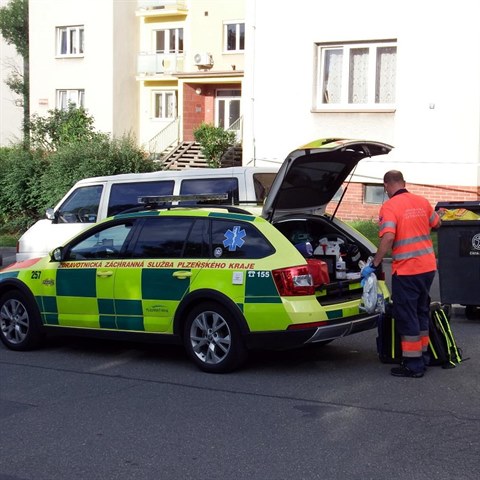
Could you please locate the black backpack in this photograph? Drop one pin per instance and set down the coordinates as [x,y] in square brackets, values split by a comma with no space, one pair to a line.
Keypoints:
[442,347]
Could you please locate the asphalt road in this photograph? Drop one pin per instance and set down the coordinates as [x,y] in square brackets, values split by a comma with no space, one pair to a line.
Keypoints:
[84,409]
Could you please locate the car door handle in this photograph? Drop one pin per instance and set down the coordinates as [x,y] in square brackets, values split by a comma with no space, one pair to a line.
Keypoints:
[182,274]
[104,273]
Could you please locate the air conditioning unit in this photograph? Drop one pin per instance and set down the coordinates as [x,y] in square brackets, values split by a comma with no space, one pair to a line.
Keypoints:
[203,59]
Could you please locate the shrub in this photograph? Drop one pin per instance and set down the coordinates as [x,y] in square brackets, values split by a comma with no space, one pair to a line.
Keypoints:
[214,142]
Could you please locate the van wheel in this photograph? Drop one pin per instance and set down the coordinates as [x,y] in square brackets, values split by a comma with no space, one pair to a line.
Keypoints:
[213,340]
[20,325]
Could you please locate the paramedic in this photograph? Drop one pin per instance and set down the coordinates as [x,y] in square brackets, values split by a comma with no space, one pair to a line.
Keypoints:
[405,221]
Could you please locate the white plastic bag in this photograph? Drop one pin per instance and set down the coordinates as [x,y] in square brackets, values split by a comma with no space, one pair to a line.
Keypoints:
[370,293]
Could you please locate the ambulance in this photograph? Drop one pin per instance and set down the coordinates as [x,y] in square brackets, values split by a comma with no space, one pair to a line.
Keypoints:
[215,278]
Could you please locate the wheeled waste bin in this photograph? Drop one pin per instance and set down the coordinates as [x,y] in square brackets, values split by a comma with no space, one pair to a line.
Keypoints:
[459,254]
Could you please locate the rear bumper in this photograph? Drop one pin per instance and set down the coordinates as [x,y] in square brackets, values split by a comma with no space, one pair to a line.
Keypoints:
[296,338]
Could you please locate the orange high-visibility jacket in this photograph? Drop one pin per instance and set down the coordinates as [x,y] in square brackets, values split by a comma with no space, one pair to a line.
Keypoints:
[409,217]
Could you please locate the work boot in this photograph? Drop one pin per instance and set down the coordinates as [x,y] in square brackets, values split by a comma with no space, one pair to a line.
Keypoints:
[403,371]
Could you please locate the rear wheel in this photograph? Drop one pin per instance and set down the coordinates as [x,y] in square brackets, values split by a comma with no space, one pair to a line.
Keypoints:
[212,338]
[20,326]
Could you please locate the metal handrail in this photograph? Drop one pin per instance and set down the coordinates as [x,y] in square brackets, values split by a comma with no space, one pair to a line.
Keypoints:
[237,127]
[165,138]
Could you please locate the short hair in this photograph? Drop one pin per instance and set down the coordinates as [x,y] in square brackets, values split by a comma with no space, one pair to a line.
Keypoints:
[393,176]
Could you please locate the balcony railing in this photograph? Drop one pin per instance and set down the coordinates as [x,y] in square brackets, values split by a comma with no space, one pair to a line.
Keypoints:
[161,7]
[159,63]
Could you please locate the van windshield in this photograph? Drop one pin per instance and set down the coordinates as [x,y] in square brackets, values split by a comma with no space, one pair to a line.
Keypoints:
[81,206]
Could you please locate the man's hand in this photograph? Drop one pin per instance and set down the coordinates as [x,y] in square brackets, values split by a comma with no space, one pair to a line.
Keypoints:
[367,270]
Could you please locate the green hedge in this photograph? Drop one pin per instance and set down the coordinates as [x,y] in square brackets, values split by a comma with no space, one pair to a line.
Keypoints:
[34,180]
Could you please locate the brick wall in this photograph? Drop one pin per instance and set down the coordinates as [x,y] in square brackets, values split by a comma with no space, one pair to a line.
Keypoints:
[354,208]
[198,108]
[193,111]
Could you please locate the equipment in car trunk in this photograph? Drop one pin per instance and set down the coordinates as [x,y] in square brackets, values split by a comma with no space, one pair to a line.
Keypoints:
[319,271]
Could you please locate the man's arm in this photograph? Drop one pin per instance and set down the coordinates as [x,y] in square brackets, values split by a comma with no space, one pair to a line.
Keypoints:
[385,246]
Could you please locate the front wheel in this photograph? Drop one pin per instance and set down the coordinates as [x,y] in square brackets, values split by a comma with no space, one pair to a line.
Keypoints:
[213,340]
[20,326]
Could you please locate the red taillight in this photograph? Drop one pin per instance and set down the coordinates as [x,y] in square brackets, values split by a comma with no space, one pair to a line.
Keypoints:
[293,281]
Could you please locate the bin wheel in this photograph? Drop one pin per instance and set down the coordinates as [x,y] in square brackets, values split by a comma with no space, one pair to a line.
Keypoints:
[472,312]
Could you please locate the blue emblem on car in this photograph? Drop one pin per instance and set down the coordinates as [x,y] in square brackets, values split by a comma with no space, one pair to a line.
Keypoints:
[234,238]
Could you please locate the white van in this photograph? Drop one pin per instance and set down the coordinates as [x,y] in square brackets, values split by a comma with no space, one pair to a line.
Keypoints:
[94,199]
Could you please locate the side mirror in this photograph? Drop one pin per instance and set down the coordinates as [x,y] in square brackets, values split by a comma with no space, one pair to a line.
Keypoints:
[57,254]
[50,214]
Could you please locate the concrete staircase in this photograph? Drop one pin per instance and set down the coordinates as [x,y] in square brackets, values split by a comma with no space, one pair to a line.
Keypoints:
[189,155]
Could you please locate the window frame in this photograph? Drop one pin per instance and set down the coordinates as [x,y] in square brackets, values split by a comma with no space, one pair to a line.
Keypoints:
[75,49]
[164,94]
[178,40]
[79,102]
[239,36]
[369,197]
[347,48]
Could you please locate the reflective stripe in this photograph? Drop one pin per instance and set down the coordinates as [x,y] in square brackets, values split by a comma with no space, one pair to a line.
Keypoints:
[408,241]
[411,346]
[432,217]
[415,253]
[388,225]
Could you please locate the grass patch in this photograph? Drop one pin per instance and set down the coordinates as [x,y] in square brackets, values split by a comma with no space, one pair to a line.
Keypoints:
[369,229]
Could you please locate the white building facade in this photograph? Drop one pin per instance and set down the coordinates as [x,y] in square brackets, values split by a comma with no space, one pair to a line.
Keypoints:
[85,53]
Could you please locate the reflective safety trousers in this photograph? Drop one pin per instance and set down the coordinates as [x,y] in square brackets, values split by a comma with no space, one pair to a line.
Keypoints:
[411,310]
[410,217]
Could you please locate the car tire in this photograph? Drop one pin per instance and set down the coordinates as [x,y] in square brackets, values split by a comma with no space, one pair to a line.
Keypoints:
[20,325]
[212,338]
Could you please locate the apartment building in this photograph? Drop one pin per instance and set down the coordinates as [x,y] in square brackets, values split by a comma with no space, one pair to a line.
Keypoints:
[85,53]
[155,68]
[404,74]
[280,75]
[190,67]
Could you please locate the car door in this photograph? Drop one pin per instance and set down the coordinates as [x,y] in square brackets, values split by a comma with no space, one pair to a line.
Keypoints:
[150,285]
[85,277]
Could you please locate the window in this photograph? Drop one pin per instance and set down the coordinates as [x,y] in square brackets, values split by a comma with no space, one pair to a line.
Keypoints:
[213,186]
[106,243]
[234,37]
[165,104]
[169,40]
[162,237]
[67,97]
[236,239]
[124,196]
[353,75]
[374,194]
[70,41]
[81,205]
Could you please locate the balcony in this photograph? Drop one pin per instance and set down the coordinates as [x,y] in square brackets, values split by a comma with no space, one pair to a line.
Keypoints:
[152,64]
[158,8]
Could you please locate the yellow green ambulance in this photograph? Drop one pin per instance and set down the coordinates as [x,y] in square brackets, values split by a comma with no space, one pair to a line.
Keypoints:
[217,279]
